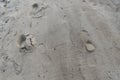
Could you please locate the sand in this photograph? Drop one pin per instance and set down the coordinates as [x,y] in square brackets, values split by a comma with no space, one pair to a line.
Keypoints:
[59,39]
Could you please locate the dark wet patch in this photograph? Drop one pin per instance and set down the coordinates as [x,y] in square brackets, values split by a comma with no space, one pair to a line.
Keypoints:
[3,70]
[88,41]
[39,75]
[84,0]
[7,21]
[35,5]
[22,38]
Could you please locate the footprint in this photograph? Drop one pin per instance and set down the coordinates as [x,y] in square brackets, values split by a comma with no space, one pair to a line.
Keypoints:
[4,62]
[26,43]
[17,68]
[38,10]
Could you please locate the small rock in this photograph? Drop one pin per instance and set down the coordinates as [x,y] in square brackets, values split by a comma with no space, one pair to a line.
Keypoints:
[90,47]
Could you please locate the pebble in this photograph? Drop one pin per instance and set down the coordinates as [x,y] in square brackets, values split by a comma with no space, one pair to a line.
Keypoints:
[90,47]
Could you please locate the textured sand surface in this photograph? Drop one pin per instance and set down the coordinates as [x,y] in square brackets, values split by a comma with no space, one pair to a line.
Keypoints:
[59,39]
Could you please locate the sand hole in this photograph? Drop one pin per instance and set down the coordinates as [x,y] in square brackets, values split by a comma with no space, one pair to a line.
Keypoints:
[35,5]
